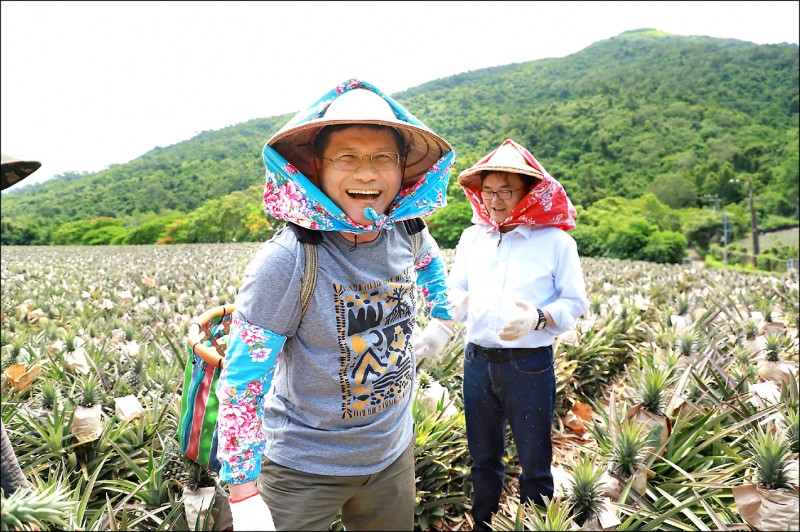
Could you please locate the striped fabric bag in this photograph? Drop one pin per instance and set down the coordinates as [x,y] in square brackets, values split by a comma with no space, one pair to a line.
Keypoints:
[199,404]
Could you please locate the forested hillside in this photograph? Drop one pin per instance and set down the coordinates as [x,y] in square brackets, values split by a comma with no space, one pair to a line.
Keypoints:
[690,120]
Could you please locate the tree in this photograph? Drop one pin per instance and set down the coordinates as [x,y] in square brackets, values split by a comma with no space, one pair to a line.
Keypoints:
[447,224]
[665,247]
[629,240]
[674,190]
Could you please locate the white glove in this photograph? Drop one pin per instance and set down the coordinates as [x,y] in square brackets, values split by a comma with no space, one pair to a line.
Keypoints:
[521,323]
[460,308]
[251,513]
[431,340]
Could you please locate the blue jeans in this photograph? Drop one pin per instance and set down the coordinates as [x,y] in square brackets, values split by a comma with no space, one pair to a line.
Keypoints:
[521,391]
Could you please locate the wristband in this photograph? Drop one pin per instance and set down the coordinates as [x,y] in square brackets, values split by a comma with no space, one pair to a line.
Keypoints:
[233,501]
[542,323]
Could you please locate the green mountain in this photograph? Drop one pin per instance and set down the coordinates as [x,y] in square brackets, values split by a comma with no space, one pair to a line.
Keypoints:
[683,118]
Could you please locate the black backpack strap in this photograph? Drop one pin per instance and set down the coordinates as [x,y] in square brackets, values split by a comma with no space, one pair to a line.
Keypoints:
[309,281]
[414,225]
[309,238]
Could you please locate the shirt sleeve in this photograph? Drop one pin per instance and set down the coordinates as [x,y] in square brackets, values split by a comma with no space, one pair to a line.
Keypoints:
[432,278]
[265,316]
[571,301]
[457,284]
[250,360]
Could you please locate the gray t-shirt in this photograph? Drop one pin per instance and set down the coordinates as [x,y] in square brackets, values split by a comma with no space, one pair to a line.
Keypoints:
[340,398]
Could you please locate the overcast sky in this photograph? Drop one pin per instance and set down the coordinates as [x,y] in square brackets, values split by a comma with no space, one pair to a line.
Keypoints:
[90,84]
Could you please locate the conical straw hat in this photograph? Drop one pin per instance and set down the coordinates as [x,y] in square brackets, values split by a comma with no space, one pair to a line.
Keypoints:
[506,158]
[360,106]
[15,169]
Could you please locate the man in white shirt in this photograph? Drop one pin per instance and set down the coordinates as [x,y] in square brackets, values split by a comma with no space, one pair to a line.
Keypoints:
[518,283]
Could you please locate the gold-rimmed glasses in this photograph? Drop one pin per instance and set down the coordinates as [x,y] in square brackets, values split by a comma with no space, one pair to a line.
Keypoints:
[382,161]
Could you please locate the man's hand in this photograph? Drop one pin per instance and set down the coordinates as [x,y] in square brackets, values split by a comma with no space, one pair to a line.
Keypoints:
[521,323]
[432,339]
[251,513]
[460,307]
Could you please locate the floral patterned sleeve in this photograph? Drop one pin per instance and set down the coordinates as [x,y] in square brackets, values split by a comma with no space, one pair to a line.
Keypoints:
[250,360]
[432,278]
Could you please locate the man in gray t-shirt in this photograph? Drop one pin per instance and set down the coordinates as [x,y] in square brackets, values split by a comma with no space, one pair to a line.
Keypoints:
[315,406]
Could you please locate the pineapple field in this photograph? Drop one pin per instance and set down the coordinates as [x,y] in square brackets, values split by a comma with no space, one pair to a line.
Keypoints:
[677,404]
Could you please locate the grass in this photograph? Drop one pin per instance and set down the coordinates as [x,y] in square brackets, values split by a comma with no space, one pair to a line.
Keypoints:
[787,237]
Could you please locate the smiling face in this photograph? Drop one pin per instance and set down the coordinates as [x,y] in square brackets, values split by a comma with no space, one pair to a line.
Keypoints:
[505,183]
[354,190]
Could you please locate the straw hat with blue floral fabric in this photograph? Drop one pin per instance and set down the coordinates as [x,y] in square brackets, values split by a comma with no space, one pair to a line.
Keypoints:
[291,194]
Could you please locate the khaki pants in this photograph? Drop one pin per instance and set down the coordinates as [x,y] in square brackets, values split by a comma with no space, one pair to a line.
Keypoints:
[304,501]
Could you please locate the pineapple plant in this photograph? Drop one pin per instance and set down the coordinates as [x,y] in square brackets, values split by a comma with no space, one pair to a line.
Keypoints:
[86,425]
[766,308]
[14,351]
[596,304]
[771,455]
[770,502]
[586,494]
[622,443]
[659,293]
[790,397]
[423,379]
[628,448]
[666,338]
[745,370]
[652,387]
[176,467]
[7,359]
[198,476]
[70,342]
[682,302]
[90,393]
[554,516]
[790,394]
[135,375]
[772,350]
[49,395]
[128,331]
[773,367]
[687,342]
[42,508]
[750,329]
[791,420]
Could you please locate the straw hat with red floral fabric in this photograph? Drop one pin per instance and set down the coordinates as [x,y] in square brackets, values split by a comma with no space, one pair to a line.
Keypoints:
[546,204]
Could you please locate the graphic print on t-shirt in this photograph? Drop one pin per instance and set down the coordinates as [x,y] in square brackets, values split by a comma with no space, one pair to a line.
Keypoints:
[374,323]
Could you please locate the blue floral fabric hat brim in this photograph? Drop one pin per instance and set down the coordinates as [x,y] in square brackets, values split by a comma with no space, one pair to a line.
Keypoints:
[290,196]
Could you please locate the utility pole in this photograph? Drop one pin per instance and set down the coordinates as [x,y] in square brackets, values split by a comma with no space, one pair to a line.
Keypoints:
[725,237]
[753,218]
[714,200]
[753,222]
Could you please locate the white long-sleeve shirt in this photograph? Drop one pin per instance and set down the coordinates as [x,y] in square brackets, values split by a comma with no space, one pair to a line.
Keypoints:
[539,265]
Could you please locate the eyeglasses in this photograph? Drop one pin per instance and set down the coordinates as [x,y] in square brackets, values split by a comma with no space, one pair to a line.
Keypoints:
[381,161]
[504,194]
